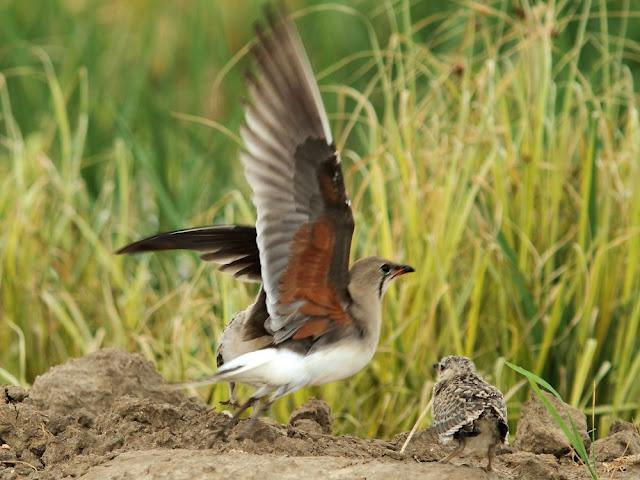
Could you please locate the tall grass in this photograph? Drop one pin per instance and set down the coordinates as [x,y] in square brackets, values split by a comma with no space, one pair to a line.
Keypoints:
[496,149]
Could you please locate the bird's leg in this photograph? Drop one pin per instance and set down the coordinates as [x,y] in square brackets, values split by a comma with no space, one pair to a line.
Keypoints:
[260,409]
[233,421]
[456,452]
[491,452]
[264,406]
[231,401]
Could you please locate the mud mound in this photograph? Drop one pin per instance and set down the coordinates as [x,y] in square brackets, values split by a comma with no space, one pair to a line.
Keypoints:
[538,433]
[106,415]
[313,417]
[623,441]
[93,383]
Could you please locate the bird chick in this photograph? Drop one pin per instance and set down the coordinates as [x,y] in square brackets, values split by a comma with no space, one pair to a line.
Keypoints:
[468,409]
[240,337]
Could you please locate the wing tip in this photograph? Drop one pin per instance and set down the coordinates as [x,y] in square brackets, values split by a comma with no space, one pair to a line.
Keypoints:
[149,244]
[134,247]
[195,238]
[275,11]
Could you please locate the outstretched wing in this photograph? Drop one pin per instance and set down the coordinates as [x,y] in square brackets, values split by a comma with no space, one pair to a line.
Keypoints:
[460,401]
[233,247]
[304,220]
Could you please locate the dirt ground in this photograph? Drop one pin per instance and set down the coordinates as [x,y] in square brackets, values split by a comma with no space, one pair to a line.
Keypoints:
[104,416]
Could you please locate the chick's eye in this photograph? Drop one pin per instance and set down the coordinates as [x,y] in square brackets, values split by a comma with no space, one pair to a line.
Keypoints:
[386,268]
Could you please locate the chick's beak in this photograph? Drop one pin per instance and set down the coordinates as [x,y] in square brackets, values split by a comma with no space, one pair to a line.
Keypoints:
[401,270]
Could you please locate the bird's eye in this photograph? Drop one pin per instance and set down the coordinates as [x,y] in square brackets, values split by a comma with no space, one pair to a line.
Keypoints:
[386,268]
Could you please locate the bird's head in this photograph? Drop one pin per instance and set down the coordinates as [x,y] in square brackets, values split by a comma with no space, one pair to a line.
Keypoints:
[373,275]
[453,365]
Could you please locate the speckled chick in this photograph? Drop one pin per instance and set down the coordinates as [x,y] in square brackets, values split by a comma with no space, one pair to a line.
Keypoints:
[468,409]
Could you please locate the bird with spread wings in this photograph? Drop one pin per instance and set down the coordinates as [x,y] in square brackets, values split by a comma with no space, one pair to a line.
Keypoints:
[316,319]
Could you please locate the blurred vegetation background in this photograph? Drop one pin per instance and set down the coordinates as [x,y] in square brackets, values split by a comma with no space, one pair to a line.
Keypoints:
[493,145]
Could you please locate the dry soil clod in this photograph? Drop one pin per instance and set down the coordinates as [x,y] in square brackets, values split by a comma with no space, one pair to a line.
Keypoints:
[538,432]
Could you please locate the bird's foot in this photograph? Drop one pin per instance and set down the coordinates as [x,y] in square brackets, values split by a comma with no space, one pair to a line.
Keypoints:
[491,454]
[489,470]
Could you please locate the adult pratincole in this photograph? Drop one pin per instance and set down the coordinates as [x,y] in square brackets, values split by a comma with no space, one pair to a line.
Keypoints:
[315,320]
[468,409]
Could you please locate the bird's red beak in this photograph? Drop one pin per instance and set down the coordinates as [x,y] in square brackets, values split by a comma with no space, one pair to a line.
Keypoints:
[401,270]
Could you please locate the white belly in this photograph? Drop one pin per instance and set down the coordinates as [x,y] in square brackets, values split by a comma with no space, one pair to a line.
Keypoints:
[337,362]
[270,366]
[278,367]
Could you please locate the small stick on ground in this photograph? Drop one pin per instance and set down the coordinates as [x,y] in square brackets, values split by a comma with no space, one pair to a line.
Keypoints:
[415,425]
[19,462]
